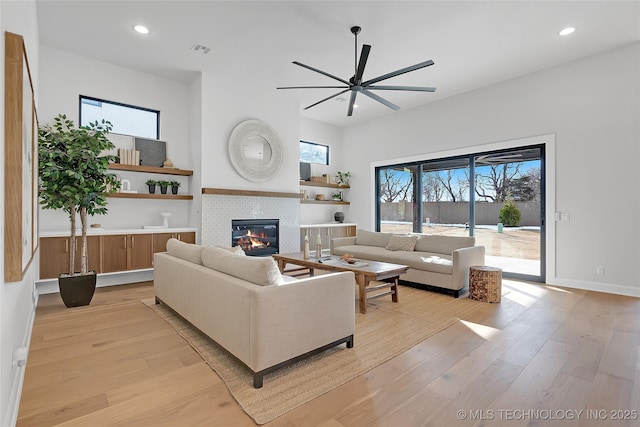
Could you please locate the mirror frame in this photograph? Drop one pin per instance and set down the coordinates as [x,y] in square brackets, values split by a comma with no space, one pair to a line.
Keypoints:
[245,167]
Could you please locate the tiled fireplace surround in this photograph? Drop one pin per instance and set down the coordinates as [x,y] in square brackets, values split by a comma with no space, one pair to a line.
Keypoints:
[219,209]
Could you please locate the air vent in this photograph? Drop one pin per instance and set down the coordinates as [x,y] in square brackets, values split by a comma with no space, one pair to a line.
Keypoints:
[200,48]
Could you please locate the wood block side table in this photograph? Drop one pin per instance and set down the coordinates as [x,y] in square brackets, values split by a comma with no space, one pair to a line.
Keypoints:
[485,283]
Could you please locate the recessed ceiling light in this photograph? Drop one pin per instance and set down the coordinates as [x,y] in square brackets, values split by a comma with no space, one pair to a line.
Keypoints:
[141,29]
[567,31]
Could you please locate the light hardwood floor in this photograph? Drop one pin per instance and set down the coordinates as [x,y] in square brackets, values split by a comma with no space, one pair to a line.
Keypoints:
[542,354]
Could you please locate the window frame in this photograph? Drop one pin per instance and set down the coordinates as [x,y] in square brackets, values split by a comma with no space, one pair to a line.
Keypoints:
[119,104]
[321,145]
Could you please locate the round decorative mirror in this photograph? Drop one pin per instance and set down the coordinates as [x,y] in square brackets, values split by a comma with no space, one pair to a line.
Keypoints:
[255,150]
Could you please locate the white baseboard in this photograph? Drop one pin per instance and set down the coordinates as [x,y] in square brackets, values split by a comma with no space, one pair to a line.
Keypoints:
[106,279]
[609,288]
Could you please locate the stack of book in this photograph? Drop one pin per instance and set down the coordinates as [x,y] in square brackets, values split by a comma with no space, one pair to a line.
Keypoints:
[129,156]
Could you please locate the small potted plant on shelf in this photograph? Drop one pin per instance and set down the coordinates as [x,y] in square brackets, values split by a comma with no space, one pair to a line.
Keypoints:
[343,178]
[151,183]
[73,178]
[163,186]
[337,196]
[174,186]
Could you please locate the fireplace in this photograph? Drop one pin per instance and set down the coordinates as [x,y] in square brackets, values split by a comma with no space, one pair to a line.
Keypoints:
[256,237]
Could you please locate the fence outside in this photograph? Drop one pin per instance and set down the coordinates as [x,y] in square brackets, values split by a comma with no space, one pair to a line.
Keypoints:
[458,212]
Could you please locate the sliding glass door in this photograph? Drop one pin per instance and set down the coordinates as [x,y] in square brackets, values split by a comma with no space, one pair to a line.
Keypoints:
[497,196]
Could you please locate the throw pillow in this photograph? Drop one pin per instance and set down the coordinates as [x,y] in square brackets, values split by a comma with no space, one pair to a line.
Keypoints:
[261,271]
[402,243]
[186,251]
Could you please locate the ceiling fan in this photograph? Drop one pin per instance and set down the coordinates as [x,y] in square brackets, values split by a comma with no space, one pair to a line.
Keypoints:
[355,83]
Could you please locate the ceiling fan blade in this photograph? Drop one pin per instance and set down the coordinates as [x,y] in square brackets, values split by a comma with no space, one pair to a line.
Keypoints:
[326,99]
[398,72]
[364,55]
[381,100]
[311,87]
[352,102]
[410,88]
[321,72]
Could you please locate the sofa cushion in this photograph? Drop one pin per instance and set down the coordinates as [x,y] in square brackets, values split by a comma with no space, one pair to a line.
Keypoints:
[427,261]
[402,242]
[443,244]
[261,271]
[186,251]
[372,238]
[373,253]
[234,249]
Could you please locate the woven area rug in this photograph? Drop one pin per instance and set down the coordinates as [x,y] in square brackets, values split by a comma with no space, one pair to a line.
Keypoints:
[385,331]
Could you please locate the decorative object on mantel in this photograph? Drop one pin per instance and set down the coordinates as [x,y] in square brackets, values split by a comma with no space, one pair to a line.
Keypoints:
[319,196]
[255,151]
[165,219]
[163,186]
[339,217]
[343,178]
[167,163]
[151,183]
[174,186]
[74,178]
[153,152]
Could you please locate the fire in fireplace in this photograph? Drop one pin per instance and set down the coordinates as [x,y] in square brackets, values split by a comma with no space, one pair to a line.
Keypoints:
[256,237]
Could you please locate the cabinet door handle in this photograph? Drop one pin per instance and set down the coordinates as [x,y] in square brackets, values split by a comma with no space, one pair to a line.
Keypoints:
[179,238]
[133,242]
[125,242]
[66,246]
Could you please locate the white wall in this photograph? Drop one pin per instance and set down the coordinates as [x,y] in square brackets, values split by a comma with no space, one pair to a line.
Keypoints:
[225,104]
[17,299]
[66,76]
[593,108]
[326,134]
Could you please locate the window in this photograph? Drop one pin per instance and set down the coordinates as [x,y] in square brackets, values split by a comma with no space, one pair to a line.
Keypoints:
[126,119]
[310,152]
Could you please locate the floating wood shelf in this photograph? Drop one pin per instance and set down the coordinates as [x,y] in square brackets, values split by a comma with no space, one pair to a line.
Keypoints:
[150,169]
[255,193]
[326,202]
[150,196]
[322,184]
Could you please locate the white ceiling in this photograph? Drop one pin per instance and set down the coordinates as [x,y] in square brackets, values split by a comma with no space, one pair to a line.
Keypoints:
[473,43]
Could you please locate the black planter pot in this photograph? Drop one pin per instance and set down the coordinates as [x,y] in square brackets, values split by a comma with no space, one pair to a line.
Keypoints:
[174,190]
[339,217]
[152,189]
[163,190]
[77,291]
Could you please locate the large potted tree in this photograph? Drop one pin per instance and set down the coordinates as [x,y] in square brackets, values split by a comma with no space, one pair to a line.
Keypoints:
[74,178]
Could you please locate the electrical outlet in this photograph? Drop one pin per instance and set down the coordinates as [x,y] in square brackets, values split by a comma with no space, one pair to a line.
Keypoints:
[600,270]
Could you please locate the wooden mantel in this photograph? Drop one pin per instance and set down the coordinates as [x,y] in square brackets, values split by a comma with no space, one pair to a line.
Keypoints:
[231,192]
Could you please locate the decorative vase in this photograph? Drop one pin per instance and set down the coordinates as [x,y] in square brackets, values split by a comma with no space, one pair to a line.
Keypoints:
[339,217]
[307,255]
[77,291]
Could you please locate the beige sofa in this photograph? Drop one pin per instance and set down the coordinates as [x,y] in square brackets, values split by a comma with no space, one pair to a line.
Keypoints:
[434,261]
[245,305]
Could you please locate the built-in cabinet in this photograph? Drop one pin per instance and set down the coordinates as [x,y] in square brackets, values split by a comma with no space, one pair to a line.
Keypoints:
[324,185]
[122,252]
[108,253]
[160,240]
[54,255]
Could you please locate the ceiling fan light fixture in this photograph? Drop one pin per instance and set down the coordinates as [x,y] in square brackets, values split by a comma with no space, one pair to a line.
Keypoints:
[355,84]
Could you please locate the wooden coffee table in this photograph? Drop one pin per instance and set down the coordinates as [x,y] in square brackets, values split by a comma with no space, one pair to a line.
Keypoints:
[365,271]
